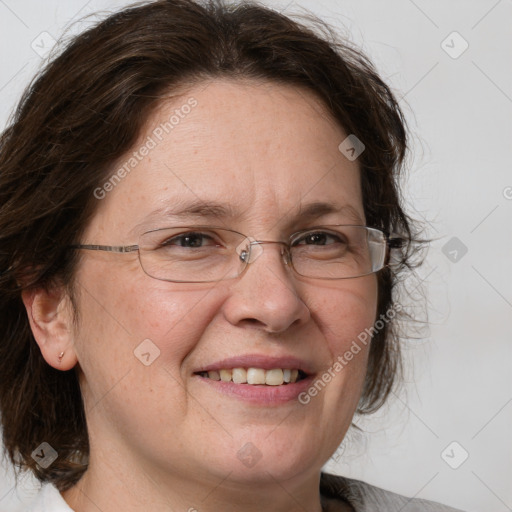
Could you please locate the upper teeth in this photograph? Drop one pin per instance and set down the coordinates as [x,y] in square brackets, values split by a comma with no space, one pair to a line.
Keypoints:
[274,377]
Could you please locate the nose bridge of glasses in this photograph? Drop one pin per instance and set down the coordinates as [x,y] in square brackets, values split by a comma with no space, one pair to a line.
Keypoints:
[250,249]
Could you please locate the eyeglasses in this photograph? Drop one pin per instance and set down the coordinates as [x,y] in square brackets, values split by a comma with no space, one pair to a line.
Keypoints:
[202,254]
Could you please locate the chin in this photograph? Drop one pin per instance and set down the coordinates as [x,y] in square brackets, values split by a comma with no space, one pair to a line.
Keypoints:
[270,470]
[274,456]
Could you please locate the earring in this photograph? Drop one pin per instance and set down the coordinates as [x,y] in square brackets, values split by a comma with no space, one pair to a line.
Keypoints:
[61,355]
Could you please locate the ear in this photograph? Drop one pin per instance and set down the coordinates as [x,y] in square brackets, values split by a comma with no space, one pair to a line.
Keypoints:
[50,315]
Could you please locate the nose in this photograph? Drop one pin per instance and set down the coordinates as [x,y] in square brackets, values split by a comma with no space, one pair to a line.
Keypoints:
[266,295]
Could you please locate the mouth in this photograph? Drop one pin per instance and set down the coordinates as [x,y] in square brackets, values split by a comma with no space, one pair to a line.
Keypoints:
[257,379]
[256,376]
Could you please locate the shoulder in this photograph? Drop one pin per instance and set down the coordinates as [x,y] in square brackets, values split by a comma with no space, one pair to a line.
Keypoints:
[49,499]
[364,497]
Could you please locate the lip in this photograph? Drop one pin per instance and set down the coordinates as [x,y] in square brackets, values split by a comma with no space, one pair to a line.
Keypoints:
[261,395]
[258,361]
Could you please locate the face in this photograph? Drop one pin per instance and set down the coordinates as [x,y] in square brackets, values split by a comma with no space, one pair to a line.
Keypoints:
[264,152]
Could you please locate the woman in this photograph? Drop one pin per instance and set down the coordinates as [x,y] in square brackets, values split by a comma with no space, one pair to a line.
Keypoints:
[201,232]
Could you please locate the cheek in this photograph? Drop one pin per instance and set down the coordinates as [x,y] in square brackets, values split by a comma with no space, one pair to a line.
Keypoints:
[118,315]
[343,315]
[174,319]
[344,312]
[122,321]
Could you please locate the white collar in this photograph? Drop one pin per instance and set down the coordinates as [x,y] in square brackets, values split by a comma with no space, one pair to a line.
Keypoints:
[49,499]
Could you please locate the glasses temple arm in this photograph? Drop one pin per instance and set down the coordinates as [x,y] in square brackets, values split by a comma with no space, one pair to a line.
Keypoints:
[107,248]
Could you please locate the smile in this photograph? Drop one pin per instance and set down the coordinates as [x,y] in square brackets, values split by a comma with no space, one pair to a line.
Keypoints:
[255,376]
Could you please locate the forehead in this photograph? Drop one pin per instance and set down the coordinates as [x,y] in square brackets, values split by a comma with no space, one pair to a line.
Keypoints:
[250,151]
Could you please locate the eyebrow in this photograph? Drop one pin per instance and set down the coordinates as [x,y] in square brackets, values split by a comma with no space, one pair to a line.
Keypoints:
[221,211]
[319,209]
[195,208]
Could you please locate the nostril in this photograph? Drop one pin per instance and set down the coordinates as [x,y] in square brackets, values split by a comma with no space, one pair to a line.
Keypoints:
[253,322]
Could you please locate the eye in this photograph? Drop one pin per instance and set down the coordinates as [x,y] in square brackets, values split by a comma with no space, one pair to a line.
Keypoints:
[319,238]
[190,240]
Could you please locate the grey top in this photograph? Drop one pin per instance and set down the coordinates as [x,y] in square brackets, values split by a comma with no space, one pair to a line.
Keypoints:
[363,497]
[338,493]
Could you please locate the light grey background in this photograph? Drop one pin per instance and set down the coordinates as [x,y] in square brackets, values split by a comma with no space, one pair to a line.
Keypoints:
[459,384]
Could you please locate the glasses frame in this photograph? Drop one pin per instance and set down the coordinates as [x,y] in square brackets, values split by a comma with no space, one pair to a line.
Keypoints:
[390,241]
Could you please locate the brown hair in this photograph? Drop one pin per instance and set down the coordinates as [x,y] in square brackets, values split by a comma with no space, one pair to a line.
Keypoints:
[87,108]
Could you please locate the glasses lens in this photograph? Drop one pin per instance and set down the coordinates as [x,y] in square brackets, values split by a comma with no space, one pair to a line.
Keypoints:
[191,254]
[338,252]
[204,254]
